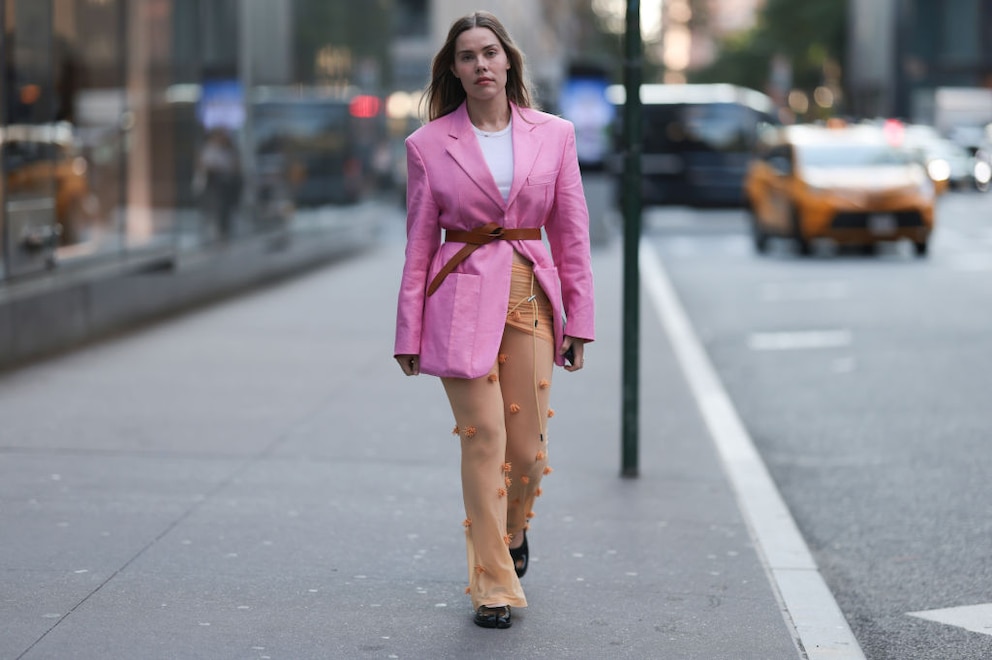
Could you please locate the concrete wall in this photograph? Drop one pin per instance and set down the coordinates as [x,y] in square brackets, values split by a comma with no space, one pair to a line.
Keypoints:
[42,317]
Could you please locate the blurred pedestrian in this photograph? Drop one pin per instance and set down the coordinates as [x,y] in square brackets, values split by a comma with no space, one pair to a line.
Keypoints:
[217,179]
[485,309]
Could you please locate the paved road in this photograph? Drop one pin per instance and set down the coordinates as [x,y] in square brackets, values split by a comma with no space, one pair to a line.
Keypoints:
[864,384]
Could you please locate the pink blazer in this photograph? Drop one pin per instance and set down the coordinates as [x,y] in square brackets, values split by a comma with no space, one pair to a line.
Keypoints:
[457,331]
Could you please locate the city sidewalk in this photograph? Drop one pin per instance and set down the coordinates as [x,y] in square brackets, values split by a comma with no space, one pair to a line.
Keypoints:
[257,479]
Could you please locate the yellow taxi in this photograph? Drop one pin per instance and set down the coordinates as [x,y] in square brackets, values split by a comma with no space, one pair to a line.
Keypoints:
[41,162]
[854,185]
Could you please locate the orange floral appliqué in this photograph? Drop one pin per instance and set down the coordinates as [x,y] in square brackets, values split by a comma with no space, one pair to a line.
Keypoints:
[468,590]
[530,514]
[551,412]
[479,570]
[507,538]
[456,430]
[501,492]
[507,467]
[503,357]
[493,378]
[508,481]
[540,456]
[538,491]
[544,384]
[548,469]
[514,408]
[525,479]
[470,432]
[467,523]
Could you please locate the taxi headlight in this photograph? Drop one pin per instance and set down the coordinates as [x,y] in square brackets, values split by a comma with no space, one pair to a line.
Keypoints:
[939,169]
[983,172]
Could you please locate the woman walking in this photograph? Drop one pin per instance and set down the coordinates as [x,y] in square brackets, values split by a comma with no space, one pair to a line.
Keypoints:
[483,303]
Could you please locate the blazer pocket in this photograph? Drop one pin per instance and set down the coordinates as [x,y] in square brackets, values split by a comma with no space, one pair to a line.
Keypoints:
[542,178]
[451,318]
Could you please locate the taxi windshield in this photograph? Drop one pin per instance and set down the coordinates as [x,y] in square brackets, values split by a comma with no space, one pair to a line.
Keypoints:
[851,155]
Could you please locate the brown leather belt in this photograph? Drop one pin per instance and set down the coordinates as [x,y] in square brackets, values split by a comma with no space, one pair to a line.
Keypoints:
[475,238]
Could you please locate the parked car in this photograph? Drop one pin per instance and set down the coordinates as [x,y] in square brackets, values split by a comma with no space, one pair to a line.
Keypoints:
[849,184]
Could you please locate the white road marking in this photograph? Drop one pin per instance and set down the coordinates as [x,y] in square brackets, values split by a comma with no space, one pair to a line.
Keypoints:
[810,608]
[976,618]
[804,291]
[971,262]
[801,340]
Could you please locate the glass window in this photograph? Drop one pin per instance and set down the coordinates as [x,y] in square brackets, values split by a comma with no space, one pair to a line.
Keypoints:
[35,150]
[720,127]
[843,154]
[89,78]
[960,34]
[410,19]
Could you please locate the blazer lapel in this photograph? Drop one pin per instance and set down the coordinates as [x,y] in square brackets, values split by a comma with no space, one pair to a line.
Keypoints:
[464,148]
[526,147]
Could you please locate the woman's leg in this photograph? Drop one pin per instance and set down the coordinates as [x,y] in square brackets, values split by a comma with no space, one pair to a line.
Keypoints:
[526,363]
[478,408]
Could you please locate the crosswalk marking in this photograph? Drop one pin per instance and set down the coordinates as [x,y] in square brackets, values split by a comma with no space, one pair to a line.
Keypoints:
[804,339]
[803,291]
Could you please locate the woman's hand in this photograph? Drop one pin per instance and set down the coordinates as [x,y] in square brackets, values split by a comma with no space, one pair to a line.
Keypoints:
[578,350]
[410,364]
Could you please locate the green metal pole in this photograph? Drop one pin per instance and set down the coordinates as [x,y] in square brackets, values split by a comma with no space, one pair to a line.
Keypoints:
[632,235]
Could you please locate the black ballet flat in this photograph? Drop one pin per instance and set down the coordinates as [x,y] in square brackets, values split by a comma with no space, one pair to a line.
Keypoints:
[493,617]
[521,557]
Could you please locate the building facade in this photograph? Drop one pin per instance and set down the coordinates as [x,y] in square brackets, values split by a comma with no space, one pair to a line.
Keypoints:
[901,53]
[133,130]
[106,105]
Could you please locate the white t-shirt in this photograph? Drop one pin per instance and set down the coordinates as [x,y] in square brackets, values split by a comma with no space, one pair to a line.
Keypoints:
[497,148]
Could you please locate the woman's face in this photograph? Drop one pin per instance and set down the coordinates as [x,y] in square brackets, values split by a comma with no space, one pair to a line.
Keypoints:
[481,64]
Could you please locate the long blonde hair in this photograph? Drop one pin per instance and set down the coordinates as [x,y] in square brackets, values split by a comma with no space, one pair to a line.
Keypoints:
[445,92]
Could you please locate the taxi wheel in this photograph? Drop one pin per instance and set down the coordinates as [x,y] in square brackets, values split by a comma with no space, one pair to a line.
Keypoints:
[758,234]
[921,248]
[802,243]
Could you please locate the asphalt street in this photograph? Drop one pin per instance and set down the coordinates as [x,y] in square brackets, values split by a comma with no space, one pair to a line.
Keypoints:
[862,380]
